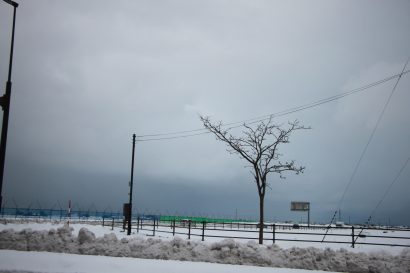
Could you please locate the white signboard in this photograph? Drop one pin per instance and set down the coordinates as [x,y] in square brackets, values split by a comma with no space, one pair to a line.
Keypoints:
[299,206]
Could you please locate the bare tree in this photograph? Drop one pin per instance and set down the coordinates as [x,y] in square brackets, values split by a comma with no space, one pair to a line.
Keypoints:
[259,147]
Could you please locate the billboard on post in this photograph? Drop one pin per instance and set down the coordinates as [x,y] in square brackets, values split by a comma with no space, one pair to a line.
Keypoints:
[299,206]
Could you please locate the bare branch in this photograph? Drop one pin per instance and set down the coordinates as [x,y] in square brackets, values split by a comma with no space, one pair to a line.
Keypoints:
[259,146]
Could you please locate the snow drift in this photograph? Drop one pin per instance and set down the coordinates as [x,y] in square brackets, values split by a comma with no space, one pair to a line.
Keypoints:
[227,251]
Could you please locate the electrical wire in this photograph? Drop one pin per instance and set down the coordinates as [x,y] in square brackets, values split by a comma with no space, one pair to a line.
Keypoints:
[383,197]
[174,137]
[358,163]
[202,131]
[372,135]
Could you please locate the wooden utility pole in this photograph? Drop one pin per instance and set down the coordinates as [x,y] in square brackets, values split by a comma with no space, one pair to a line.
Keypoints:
[131,185]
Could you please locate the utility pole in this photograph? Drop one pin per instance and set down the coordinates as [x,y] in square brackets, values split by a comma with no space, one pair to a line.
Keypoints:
[340,215]
[5,105]
[131,185]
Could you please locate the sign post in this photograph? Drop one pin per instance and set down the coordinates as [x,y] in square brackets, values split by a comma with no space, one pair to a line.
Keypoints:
[301,206]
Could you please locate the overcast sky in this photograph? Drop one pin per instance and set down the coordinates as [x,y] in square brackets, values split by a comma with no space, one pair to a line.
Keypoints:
[89,74]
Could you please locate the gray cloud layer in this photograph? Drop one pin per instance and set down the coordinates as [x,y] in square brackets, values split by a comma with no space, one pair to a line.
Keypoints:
[88,74]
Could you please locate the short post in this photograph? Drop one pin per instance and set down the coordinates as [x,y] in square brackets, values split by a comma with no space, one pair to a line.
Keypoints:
[273,233]
[138,224]
[352,236]
[189,229]
[112,224]
[203,231]
[153,230]
[103,221]
[173,227]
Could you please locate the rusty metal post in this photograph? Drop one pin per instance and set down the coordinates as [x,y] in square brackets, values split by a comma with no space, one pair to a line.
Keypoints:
[273,233]
[203,231]
[189,229]
[352,236]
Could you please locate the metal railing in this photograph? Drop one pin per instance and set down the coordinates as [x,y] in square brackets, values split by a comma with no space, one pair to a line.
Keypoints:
[152,224]
[351,235]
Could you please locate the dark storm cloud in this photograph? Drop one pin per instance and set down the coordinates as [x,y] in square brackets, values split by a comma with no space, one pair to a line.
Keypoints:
[88,74]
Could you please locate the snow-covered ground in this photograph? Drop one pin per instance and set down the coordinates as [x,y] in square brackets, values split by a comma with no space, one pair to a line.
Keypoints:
[298,235]
[18,261]
[99,231]
[94,239]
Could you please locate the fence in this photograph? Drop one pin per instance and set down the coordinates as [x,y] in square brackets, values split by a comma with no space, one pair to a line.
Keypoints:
[351,235]
[217,228]
[58,214]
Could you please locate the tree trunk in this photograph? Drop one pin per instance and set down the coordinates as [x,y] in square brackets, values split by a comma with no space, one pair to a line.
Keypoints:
[261,218]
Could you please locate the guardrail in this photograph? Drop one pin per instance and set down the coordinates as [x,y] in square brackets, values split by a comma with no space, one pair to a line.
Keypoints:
[152,224]
[352,235]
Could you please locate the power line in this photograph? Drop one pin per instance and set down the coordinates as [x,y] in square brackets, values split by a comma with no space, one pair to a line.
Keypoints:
[367,145]
[202,131]
[383,197]
[389,188]
[323,101]
[372,135]
[174,137]
[171,133]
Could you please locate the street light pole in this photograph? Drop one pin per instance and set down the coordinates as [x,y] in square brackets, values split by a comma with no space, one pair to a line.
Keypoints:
[5,104]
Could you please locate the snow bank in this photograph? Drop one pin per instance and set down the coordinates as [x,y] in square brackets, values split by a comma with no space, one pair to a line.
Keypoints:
[227,251]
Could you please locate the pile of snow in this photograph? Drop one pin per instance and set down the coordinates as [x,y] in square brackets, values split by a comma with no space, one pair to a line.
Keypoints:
[226,251]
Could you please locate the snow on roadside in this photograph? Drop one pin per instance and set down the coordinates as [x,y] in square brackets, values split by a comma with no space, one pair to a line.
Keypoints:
[45,262]
[226,251]
[164,234]
[95,227]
